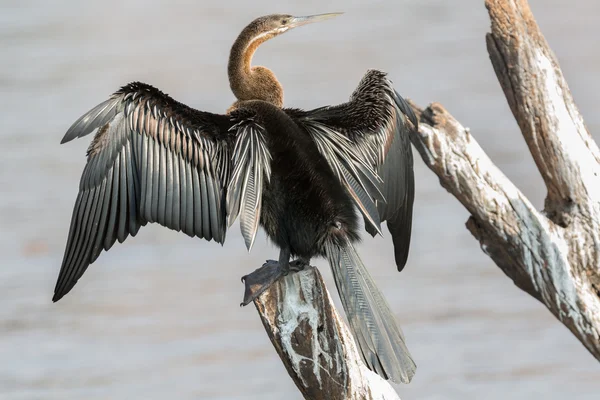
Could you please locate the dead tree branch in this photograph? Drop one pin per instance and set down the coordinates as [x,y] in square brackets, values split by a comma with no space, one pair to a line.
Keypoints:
[314,343]
[553,254]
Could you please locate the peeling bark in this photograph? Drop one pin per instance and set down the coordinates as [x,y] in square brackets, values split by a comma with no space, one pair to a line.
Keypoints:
[314,343]
[554,254]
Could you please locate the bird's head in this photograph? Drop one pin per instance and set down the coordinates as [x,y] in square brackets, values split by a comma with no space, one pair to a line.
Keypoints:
[272,25]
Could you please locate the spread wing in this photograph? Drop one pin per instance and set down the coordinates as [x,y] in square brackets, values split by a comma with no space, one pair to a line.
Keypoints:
[156,160]
[366,142]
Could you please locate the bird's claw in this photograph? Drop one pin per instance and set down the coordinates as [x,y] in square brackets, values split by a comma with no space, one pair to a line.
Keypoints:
[298,265]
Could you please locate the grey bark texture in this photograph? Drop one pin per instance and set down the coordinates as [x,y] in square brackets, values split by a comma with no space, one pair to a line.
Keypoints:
[552,254]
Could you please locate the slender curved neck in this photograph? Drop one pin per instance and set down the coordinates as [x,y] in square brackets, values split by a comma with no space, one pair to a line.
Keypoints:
[252,83]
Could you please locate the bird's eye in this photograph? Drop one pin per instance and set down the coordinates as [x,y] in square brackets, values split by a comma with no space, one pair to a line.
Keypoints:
[284,21]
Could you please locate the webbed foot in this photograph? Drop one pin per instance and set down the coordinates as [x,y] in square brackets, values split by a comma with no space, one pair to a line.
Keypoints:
[260,280]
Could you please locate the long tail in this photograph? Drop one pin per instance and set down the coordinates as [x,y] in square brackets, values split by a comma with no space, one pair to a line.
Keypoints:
[373,325]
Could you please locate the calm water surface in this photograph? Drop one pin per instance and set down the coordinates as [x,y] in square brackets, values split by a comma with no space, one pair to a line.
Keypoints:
[158,317]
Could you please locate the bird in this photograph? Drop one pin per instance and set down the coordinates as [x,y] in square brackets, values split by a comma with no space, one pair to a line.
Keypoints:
[305,176]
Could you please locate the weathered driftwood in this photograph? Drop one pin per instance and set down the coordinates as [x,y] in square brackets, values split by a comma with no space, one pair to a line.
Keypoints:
[551,254]
[314,342]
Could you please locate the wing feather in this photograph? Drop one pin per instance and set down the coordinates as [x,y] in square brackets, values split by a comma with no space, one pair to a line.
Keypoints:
[252,166]
[197,203]
[205,208]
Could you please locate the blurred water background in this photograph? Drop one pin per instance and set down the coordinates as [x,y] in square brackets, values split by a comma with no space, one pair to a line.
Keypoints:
[158,317]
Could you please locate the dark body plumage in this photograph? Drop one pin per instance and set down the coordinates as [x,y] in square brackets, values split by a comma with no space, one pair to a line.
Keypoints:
[304,176]
[304,203]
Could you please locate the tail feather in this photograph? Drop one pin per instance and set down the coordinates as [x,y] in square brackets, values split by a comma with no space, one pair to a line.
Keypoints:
[373,325]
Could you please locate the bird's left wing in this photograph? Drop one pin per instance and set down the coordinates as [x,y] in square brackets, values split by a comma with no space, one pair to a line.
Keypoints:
[366,142]
[154,159]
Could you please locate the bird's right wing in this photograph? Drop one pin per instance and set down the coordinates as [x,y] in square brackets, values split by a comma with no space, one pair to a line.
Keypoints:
[366,142]
[156,160]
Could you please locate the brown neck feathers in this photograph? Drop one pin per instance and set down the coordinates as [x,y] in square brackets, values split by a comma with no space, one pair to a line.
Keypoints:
[252,83]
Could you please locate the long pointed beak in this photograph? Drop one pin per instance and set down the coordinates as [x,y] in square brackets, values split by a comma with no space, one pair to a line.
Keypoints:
[299,21]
